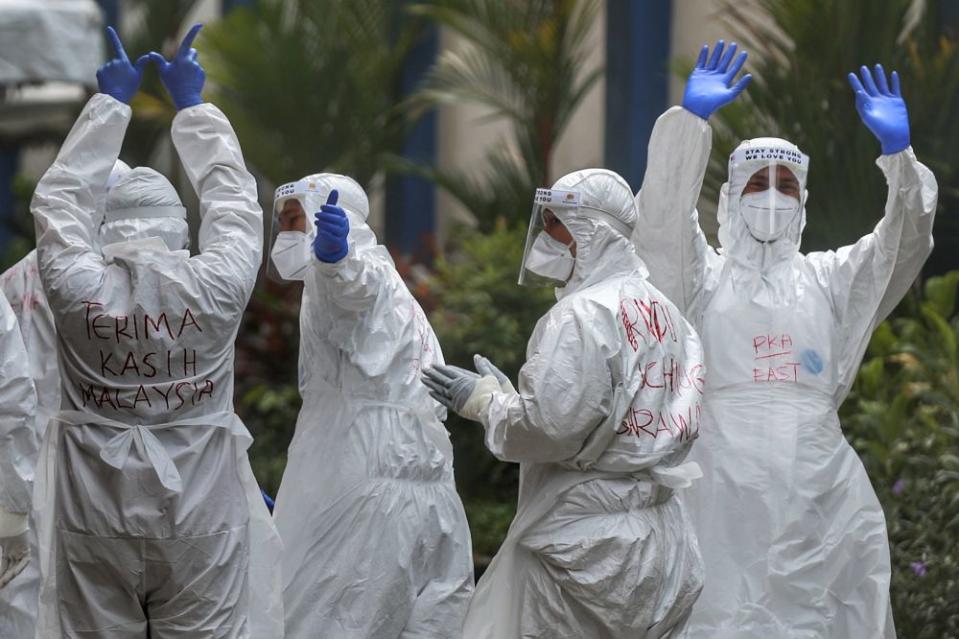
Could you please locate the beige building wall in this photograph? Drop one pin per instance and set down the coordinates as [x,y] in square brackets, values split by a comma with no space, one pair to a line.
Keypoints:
[464,139]
[695,23]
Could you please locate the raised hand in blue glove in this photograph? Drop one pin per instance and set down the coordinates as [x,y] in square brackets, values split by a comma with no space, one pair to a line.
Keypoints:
[119,78]
[882,108]
[332,229]
[182,76]
[708,87]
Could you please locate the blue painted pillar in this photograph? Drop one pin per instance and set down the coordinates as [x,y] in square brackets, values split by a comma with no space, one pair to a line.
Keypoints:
[9,164]
[949,14]
[411,201]
[637,80]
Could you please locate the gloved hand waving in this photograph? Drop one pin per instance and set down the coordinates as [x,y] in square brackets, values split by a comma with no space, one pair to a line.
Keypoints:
[118,77]
[708,87]
[882,108]
[332,231]
[182,76]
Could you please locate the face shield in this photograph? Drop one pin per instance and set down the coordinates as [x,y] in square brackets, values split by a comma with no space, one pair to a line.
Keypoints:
[773,189]
[548,261]
[292,230]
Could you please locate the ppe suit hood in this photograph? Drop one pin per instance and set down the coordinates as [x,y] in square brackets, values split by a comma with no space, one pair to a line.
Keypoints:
[601,227]
[352,199]
[120,168]
[760,268]
[734,236]
[142,204]
[295,251]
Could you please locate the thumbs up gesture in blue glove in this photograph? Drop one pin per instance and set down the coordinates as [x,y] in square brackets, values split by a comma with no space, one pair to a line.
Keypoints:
[882,108]
[118,77]
[708,87]
[332,229]
[182,76]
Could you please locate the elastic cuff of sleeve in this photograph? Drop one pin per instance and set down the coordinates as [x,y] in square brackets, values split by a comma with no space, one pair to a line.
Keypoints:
[119,98]
[894,148]
[333,258]
[187,104]
[696,113]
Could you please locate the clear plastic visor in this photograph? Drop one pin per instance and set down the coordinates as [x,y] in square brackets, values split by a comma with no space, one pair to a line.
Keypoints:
[289,215]
[773,182]
[547,261]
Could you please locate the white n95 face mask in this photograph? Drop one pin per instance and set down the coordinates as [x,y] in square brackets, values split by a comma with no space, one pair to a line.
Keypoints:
[768,214]
[550,258]
[292,254]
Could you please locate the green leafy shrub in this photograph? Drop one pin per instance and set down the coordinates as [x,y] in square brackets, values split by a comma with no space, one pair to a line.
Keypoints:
[903,418]
[481,309]
[266,392]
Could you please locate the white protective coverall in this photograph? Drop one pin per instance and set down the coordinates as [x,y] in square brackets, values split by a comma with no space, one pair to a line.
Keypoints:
[18,401]
[18,448]
[376,542]
[607,409]
[150,520]
[793,537]
[23,289]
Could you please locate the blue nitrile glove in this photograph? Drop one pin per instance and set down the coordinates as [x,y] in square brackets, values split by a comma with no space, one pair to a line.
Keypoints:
[708,87]
[451,386]
[332,230]
[183,76]
[118,78]
[882,108]
[270,504]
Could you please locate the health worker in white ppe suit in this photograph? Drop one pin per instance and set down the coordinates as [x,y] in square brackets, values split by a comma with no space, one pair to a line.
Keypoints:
[22,287]
[376,542]
[18,450]
[150,522]
[607,407]
[792,534]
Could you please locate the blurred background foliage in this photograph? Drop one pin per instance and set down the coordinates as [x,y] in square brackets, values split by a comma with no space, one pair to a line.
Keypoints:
[311,85]
[903,418]
[316,84]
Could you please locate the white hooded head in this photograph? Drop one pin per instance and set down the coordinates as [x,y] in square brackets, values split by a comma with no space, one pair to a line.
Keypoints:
[601,226]
[120,168]
[352,199]
[143,204]
[762,240]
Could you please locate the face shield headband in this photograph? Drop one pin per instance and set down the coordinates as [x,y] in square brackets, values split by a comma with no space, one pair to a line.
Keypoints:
[291,232]
[771,210]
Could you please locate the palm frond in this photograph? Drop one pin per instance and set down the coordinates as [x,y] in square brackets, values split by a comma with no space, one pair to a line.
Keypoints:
[526,63]
[314,86]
